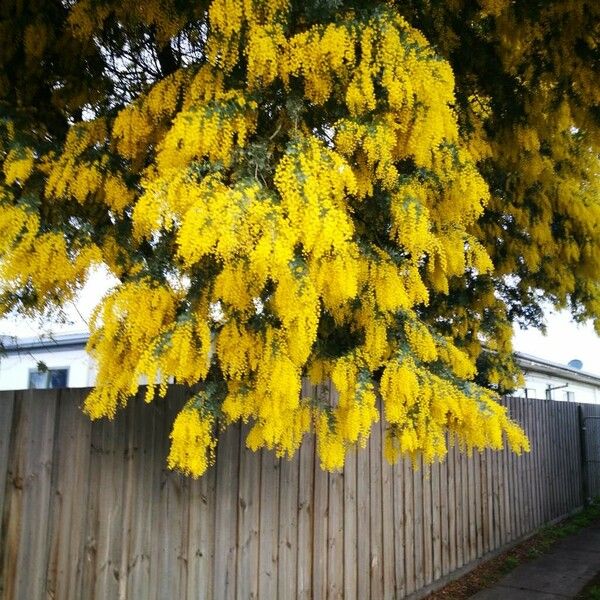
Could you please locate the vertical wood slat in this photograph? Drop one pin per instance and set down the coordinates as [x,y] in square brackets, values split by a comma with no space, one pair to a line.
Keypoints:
[399,527]
[248,521]
[69,497]
[319,556]
[444,516]
[350,526]
[409,527]
[28,488]
[363,529]
[335,536]
[305,516]
[478,495]
[436,525]
[512,488]
[517,468]
[93,511]
[451,493]
[168,575]
[472,511]
[535,472]
[142,448]
[547,461]
[226,526]
[376,556]
[108,445]
[418,525]
[462,508]
[7,402]
[269,525]
[288,527]
[427,522]
[387,512]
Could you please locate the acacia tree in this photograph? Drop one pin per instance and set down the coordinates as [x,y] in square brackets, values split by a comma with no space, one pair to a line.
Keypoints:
[367,193]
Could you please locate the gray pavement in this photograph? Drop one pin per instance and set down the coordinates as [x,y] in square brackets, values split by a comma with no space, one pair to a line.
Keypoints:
[560,574]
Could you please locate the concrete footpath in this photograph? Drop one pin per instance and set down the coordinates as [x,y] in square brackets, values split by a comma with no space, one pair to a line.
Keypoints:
[560,574]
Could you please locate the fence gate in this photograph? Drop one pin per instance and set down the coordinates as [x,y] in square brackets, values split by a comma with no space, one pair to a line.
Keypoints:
[590,453]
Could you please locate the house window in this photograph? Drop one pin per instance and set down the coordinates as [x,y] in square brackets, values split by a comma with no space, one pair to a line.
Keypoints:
[49,379]
[570,396]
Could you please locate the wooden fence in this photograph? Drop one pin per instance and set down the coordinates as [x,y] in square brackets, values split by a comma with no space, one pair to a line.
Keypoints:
[90,511]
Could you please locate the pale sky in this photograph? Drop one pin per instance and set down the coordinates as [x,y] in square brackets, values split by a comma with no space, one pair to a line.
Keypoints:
[565,340]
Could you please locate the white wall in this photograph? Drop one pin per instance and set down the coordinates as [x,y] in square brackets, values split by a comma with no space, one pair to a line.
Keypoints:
[14,367]
[537,383]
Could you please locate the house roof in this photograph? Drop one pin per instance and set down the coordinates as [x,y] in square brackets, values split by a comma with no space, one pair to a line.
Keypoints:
[534,364]
[65,341]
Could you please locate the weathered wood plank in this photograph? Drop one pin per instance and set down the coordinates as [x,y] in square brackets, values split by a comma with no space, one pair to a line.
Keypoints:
[418,476]
[535,463]
[375,450]
[201,539]
[319,555]
[472,510]
[7,401]
[269,525]
[462,500]
[142,449]
[409,527]
[452,507]
[108,524]
[248,521]
[335,537]
[488,512]
[350,526]
[28,488]
[335,532]
[226,513]
[478,492]
[363,529]
[548,466]
[436,521]
[69,497]
[399,527]
[427,522]
[305,517]
[444,518]
[168,574]
[387,502]
[288,527]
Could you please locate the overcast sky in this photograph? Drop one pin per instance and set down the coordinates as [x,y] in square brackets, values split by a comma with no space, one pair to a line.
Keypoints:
[565,340]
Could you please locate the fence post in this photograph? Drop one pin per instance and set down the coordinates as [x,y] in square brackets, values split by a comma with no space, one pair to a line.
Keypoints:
[584,458]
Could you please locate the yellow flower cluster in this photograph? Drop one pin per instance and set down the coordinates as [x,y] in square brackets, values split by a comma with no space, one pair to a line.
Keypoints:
[193,442]
[18,165]
[143,123]
[125,325]
[263,245]
[42,260]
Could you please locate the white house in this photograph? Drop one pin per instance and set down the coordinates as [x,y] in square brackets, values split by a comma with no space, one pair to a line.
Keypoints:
[56,362]
[65,363]
[553,381]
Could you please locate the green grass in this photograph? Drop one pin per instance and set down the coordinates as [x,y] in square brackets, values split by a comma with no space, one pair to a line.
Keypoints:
[593,593]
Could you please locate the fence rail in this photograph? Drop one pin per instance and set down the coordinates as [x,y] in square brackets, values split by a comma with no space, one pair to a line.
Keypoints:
[90,511]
